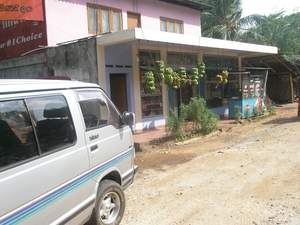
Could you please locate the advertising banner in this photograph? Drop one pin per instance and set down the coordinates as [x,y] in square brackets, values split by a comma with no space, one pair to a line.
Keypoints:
[20,37]
[21,10]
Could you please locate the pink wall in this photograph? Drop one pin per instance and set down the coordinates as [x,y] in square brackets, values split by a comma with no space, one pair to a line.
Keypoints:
[151,16]
[67,19]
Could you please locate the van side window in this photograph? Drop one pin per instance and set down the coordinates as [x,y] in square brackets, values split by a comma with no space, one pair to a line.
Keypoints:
[98,110]
[94,113]
[17,142]
[52,121]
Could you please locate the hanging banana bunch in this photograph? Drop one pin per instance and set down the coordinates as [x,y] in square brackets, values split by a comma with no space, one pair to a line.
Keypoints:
[222,78]
[225,76]
[159,70]
[176,81]
[219,80]
[169,76]
[201,69]
[150,82]
[182,75]
[194,76]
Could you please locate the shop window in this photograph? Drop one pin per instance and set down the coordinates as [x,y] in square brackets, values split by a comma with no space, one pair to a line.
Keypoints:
[151,102]
[103,19]
[216,95]
[182,59]
[170,25]
[175,60]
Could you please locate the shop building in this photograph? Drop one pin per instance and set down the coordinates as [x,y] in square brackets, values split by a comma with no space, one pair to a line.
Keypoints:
[130,35]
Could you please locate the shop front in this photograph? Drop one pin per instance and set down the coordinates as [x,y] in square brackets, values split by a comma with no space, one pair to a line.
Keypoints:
[152,102]
[134,53]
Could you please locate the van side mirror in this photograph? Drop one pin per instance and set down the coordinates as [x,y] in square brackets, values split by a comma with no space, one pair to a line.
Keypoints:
[128,118]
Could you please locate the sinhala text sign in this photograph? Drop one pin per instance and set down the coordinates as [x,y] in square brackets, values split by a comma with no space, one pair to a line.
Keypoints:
[21,10]
[22,27]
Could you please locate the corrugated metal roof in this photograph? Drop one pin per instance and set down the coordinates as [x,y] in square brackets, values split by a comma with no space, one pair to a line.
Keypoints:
[277,64]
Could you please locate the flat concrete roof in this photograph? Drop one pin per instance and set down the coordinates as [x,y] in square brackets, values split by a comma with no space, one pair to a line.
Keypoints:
[203,44]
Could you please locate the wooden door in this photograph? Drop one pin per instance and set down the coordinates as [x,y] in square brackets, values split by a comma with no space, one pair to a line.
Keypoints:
[118,91]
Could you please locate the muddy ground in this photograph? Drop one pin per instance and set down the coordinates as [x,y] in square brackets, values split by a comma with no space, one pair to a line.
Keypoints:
[245,173]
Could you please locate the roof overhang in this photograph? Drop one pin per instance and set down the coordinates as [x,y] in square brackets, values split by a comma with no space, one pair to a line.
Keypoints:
[205,45]
[193,4]
[276,63]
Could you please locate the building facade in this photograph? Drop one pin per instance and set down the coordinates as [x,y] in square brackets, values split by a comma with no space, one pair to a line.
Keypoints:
[131,36]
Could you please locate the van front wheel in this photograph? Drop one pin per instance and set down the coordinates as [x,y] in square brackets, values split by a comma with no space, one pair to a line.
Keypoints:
[110,203]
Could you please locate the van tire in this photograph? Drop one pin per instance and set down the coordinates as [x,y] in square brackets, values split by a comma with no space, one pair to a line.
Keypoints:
[110,203]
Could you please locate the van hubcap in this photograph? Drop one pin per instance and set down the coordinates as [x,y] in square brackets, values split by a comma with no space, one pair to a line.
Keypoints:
[110,207]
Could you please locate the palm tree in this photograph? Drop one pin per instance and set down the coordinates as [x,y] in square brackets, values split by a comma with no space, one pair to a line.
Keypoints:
[266,28]
[224,22]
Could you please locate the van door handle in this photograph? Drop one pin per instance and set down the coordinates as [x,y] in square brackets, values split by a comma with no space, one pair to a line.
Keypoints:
[94,147]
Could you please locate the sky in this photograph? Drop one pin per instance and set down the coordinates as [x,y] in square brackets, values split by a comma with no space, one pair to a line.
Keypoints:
[265,7]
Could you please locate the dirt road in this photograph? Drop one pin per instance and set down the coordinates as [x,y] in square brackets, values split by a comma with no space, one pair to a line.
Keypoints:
[242,174]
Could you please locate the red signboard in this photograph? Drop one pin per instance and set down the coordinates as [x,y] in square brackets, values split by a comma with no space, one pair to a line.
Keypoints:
[21,10]
[18,38]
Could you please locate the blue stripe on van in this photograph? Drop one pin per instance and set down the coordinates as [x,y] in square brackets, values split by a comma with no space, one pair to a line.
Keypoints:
[42,203]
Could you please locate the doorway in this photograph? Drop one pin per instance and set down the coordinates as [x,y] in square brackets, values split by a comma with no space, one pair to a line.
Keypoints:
[118,91]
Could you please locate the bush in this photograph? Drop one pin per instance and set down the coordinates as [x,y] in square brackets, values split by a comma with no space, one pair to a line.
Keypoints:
[238,113]
[175,125]
[204,120]
[270,105]
[247,115]
[194,112]
[209,121]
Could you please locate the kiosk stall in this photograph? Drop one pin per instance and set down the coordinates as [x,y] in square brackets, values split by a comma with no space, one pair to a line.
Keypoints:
[247,92]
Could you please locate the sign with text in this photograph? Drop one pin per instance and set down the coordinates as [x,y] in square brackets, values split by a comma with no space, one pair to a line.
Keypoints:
[21,37]
[21,10]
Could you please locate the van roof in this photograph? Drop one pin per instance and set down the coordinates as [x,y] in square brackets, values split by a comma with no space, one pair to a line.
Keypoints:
[24,85]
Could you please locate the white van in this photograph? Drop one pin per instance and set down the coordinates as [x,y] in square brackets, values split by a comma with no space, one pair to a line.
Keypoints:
[66,153]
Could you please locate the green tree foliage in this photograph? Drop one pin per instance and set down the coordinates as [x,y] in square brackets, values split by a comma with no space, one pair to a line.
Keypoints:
[224,21]
[283,32]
